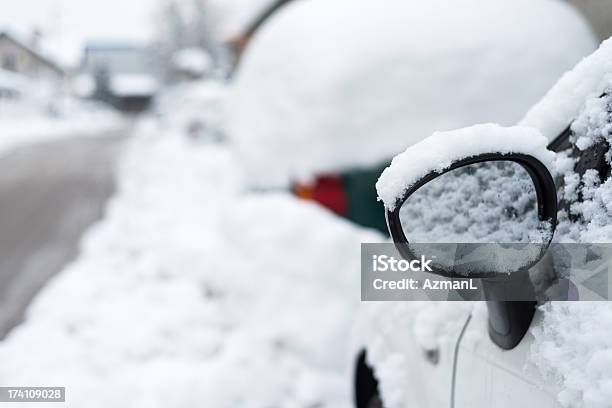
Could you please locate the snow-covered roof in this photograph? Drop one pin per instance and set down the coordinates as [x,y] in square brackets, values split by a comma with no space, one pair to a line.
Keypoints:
[133,85]
[43,59]
[328,85]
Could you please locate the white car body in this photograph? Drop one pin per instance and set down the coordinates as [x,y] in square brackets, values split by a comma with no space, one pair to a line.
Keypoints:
[471,371]
[486,376]
[498,378]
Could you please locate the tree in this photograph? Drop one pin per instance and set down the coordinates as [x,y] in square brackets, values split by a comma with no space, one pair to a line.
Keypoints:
[183,24]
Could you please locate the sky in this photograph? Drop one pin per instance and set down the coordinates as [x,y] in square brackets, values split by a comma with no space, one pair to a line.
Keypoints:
[67,24]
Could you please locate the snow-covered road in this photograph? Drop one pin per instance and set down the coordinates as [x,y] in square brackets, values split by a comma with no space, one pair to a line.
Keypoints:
[49,195]
[194,291]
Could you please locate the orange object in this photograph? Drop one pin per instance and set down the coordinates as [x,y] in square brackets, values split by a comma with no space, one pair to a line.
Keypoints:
[327,191]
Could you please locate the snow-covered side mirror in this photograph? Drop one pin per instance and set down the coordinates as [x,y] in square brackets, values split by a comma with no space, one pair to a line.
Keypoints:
[483,216]
[467,188]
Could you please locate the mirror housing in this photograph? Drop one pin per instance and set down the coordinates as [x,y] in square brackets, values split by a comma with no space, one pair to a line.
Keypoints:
[508,320]
[543,183]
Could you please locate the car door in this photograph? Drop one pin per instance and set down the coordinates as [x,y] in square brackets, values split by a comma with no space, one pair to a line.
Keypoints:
[488,376]
[485,374]
[412,349]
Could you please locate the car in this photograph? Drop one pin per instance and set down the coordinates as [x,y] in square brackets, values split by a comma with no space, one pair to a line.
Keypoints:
[326,93]
[500,353]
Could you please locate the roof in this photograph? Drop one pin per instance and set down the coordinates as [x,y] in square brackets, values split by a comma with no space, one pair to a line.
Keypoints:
[43,59]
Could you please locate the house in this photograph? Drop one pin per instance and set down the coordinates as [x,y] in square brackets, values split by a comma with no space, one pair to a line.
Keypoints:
[121,74]
[20,58]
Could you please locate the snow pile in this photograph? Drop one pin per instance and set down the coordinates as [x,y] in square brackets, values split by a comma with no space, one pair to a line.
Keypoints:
[192,292]
[573,347]
[193,61]
[33,112]
[592,214]
[438,152]
[193,108]
[371,80]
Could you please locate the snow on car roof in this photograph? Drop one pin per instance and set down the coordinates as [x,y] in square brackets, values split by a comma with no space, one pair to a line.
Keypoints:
[328,86]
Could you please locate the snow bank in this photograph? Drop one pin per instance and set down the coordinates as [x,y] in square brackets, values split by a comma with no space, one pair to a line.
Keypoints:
[330,85]
[193,108]
[563,102]
[193,292]
[40,112]
[438,152]
[23,131]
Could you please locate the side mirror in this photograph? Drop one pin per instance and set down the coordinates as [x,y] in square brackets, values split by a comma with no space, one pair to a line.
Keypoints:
[484,216]
[484,200]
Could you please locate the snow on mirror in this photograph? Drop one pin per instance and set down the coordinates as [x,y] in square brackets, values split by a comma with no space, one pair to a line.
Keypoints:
[477,219]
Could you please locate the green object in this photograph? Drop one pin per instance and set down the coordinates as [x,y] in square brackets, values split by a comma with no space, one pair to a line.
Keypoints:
[362,200]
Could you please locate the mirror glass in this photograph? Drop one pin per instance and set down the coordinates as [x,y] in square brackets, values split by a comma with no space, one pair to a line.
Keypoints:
[482,218]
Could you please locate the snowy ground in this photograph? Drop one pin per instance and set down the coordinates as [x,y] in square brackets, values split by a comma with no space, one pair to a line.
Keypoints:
[183,297]
[23,124]
[196,292]
[50,194]
[38,111]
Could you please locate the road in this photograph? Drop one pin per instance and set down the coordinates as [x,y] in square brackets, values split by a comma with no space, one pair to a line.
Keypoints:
[49,195]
